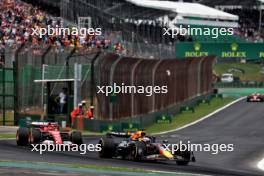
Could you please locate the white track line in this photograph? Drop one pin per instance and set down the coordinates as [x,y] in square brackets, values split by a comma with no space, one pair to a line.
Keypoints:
[6,139]
[203,118]
[178,173]
[261,164]
[11,127]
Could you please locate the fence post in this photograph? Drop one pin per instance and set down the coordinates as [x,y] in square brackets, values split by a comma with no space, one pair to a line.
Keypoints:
[67,60]
[15,77]
[92,77]
[153,82]
[132,83]
[4,96]
[112,73]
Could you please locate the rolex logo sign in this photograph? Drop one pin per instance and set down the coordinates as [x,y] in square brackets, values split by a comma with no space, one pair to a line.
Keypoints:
[234,52]
[231,49]
[234,46]
[197,51]
[197,46]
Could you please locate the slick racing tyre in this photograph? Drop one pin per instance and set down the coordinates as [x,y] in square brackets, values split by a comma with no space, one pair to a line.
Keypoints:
[35,136]
[22,136]
[76,137]
[186,157]
[138,151]
[108,148]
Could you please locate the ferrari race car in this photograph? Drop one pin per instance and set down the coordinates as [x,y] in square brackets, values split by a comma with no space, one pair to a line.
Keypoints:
[137,147]
[46,133]
[255,97]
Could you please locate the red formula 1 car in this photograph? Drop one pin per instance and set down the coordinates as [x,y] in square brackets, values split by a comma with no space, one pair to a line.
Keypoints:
[46,133]
[255,97]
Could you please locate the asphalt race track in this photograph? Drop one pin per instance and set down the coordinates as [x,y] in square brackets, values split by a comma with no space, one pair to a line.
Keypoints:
[242,124]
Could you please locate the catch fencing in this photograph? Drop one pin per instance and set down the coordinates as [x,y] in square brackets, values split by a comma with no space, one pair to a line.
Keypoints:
[7,87]
[49,63]
[185,79]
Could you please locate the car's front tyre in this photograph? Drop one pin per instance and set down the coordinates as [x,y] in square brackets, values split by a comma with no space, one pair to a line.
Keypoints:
[76,137]
[35,136]
[138,151]
[186,158]
[108,148]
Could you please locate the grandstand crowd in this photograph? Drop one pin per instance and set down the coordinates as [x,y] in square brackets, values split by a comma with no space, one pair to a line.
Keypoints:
[248,24]
[17,19]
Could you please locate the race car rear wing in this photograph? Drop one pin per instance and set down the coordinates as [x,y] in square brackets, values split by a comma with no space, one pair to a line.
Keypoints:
[28,122]
[118,134]
[43,123]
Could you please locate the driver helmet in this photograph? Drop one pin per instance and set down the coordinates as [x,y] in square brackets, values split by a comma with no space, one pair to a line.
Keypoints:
[138,134]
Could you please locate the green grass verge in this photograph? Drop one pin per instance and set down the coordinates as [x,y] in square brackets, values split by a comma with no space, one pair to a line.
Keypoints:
[81,166]
[187,117]
[7,135]
[252,71]
[100,167]
[90,133]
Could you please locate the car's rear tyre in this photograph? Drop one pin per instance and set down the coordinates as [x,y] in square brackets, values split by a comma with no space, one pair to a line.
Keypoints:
[76,137]
[138,151]
[22,136]
[108,148]
[35,136]
[186,158]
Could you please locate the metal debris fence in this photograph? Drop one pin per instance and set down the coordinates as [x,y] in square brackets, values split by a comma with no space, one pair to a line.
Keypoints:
[50,63]
[185,79]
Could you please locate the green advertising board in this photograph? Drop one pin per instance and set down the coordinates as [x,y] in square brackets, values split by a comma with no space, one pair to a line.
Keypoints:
[130,126]
[221,50]
[110,127]
[164,119]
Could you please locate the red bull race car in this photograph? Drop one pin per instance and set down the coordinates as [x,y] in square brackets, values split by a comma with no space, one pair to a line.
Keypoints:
[46,133]
[137,146]
[255,97]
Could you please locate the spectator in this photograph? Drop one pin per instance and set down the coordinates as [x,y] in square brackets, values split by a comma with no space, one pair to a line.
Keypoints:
[17,19]
[63,100]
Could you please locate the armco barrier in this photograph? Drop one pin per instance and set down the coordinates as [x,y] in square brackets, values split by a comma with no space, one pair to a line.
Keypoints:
[139,122]
[126,124]
[164,119]
[185,80]
[240,84]
[187,108]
